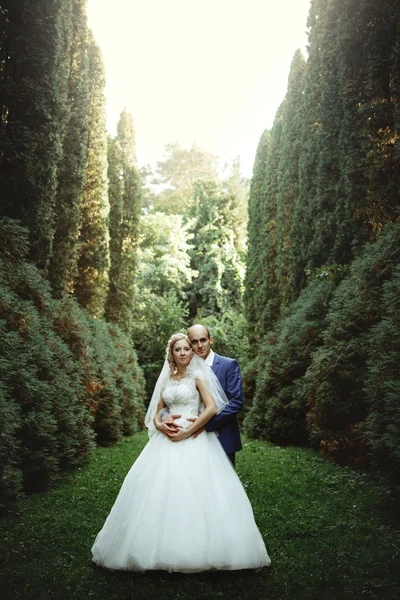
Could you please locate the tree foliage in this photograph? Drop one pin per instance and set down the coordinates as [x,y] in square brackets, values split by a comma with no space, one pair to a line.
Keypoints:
[160,299]
[236,189]
[67,379]
[288,178]
[338,407]
[279,406]
[218,285]
[191,253]
[35,42]
[262,299]
[178,172]
[253,295]
[72,168]
[323,215]
[125,203]
[382,382]
[163,257]
[91,283]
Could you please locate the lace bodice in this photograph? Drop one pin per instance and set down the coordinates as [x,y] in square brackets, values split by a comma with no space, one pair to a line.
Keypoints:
[181,397]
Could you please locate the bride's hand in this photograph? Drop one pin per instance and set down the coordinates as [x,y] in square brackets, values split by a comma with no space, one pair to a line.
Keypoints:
[169,426]
[169,418]
[178,435]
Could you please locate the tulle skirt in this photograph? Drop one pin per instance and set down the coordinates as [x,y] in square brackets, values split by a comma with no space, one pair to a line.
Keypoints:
[181,508]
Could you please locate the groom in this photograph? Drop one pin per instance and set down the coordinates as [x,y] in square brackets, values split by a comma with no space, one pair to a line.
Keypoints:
[227,372]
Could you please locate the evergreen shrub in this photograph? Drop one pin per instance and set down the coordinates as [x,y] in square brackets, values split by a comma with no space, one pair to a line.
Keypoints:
[112,382]
[382,382]
[344,367]
[66,379]
[279,409]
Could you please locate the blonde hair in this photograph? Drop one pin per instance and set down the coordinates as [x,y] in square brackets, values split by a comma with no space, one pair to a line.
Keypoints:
[170,346]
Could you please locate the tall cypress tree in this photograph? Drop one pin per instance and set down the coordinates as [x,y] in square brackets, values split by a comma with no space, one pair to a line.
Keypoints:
[236,190]
[262,298]
[269,291]
[313,233]
[93,263]
[368,40]
[288,176]
[71,174]
[115,191]
[125,202]
[326,175]
[34,84]
[256,239]
[218,285]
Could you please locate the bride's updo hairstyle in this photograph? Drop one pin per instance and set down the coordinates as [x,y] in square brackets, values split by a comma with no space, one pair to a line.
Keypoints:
[170,346]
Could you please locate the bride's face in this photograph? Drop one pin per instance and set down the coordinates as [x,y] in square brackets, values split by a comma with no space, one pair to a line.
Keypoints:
[182,353]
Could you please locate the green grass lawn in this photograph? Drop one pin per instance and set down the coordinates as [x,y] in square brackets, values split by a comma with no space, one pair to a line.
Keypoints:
[330,531]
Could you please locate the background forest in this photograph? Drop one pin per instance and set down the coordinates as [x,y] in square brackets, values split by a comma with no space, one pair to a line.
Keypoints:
[101,261]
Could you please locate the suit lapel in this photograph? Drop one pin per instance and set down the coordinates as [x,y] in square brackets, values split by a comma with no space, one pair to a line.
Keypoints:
[219,371]
[215,364]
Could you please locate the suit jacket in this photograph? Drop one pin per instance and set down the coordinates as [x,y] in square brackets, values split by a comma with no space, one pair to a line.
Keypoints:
[225,424]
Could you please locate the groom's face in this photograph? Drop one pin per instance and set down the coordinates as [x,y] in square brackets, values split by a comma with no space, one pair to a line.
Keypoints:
[200,340]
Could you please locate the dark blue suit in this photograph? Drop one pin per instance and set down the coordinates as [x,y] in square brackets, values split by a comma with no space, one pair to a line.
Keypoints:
[225,424]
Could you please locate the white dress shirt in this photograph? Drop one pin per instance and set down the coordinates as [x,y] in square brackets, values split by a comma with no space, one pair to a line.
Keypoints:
[210,358]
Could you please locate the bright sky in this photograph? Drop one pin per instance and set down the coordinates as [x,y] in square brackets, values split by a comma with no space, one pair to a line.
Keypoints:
[211,72]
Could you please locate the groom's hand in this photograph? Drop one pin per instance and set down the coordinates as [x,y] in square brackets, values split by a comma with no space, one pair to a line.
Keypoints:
[199,431]
[170,419]
[168,425]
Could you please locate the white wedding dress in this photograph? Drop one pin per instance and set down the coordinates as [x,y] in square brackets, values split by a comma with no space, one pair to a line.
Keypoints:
[181,506]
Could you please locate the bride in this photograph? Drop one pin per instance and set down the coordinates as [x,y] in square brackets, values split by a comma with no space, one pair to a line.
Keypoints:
[181,506]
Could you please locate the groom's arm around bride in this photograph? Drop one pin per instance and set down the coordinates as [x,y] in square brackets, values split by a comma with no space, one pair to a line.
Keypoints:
[227,371]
